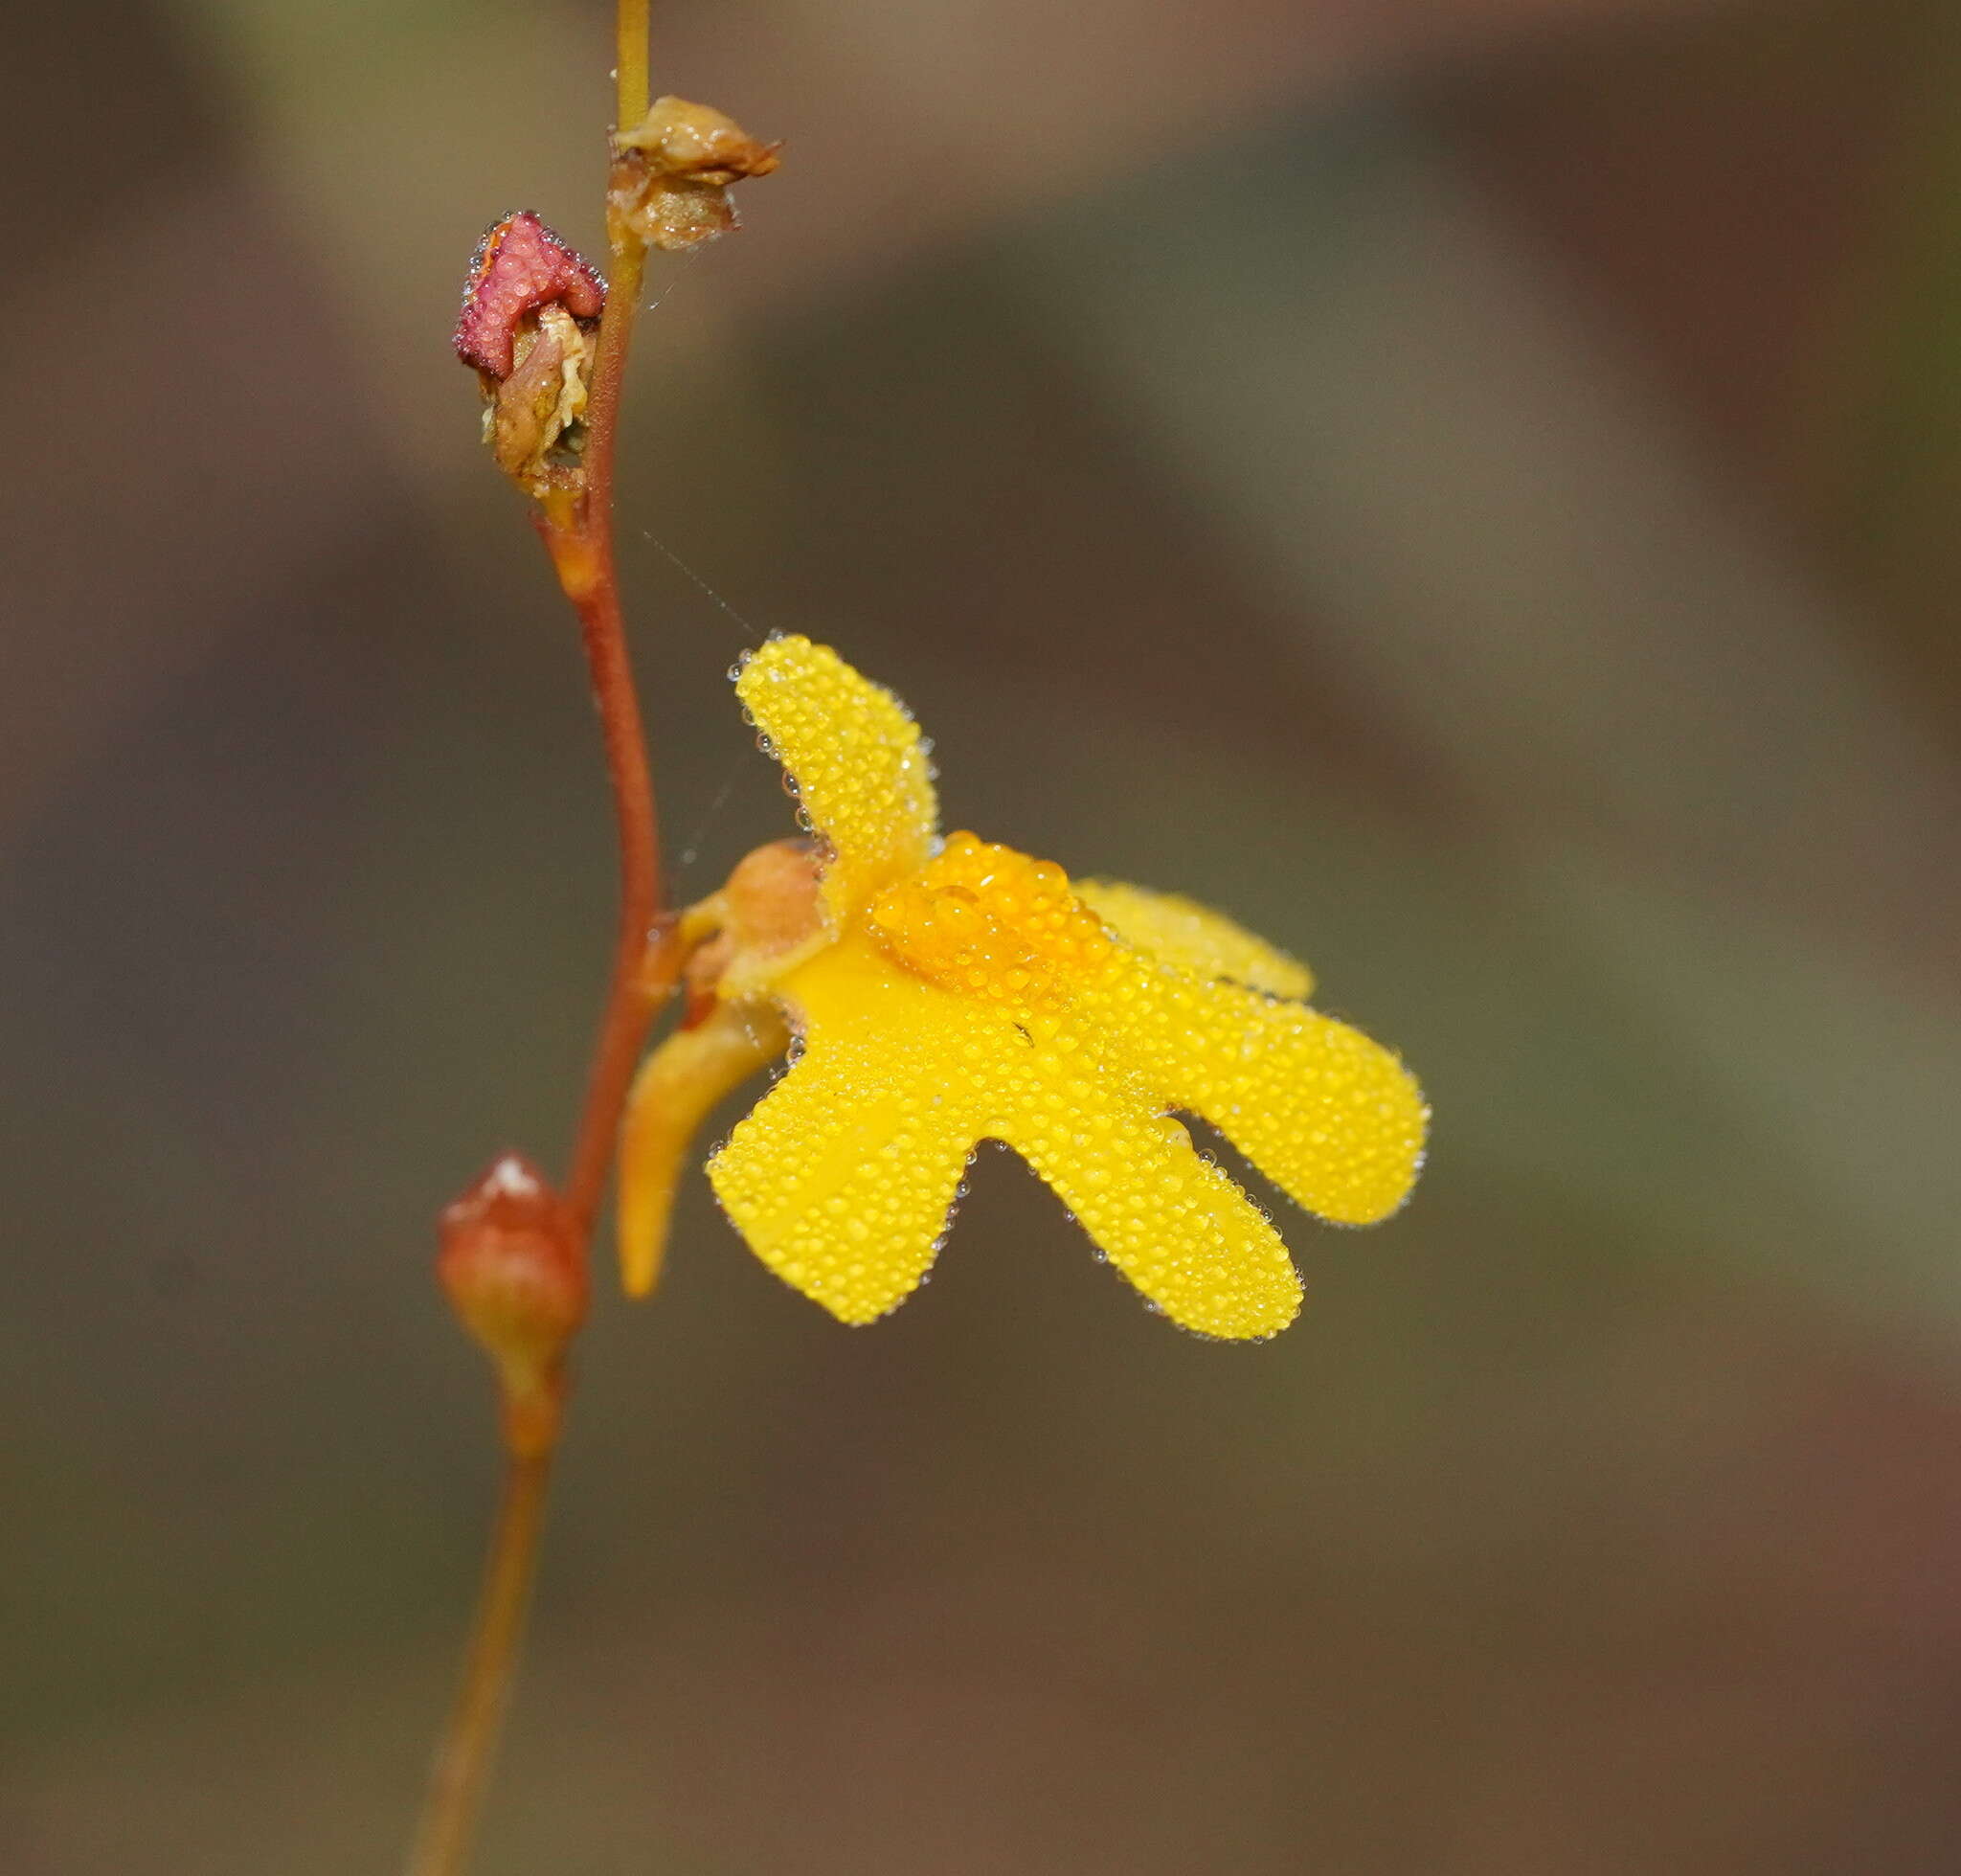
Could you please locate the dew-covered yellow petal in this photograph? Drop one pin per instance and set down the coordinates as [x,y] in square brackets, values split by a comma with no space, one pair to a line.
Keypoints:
[1330,1116]
[1179,931]
[1023,1070]
[677,1085]
[1333,1119]
[842,1178]
[855,755]
[1178,1228]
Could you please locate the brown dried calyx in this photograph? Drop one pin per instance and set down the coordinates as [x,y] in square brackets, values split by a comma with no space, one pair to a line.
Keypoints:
[529,314]
[671,173]
[768,913]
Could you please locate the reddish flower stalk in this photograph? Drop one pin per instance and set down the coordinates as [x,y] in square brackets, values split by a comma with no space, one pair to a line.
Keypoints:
[578,531]
[515,1255]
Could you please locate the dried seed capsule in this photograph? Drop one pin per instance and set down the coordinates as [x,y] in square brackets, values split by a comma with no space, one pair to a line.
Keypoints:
[530,311]
[671,173]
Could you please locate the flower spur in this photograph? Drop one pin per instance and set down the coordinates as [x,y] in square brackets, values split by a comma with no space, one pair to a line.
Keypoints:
[932,995]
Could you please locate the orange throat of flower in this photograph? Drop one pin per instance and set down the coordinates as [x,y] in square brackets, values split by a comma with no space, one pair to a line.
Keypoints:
[988,921]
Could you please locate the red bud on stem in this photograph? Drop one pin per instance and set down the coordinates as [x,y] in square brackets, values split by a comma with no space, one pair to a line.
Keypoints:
[510,1264]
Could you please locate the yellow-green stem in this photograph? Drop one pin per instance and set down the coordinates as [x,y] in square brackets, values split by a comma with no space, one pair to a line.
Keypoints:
[631,72]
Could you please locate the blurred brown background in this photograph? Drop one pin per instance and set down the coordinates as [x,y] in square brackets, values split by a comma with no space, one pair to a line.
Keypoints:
[1469,486]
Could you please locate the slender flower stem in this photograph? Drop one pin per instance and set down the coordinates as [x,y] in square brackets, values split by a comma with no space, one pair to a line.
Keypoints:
[578,531]
[470,1741]
[630,74]
[579,535]
[629,1008]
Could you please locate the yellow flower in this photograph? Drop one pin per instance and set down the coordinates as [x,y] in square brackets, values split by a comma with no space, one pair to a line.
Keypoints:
[943,994]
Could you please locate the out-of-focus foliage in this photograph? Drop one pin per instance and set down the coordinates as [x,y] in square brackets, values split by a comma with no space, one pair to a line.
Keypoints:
[1462,489]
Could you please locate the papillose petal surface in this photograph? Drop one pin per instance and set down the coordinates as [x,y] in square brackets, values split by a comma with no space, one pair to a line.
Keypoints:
[1175,930]
[855,755]
[842,1178]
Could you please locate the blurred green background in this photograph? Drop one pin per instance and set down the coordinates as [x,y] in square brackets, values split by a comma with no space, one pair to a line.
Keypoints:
[1468,486]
